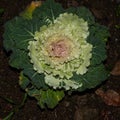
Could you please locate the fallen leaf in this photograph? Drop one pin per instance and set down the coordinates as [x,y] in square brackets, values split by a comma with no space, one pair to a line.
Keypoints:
[110,97]
[116,69]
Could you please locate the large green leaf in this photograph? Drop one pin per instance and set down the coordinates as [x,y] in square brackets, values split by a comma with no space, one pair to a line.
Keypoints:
[98,36]
[19,59]
[46,98]
[18,32]
[48,11]
[36,79]
[82,12]
[95,76]
[99,32]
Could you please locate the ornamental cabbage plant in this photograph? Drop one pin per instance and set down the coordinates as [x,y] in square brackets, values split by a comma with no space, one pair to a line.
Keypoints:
[57,51]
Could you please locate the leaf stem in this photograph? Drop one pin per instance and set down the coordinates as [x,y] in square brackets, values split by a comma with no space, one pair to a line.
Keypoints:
[16,109]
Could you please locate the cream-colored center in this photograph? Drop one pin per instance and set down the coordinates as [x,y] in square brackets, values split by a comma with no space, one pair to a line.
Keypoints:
[59,49]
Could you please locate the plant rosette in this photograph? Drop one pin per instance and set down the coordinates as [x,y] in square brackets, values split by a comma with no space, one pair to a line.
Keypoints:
[57,50]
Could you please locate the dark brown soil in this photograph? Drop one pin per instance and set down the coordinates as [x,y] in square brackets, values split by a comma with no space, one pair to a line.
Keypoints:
[80,106]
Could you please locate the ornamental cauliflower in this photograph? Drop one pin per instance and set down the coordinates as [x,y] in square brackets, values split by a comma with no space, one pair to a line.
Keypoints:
[60,49]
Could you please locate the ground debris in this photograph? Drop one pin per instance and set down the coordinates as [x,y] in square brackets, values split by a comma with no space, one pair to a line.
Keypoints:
[97,13]
[86,113]
[116,69]
[110,97]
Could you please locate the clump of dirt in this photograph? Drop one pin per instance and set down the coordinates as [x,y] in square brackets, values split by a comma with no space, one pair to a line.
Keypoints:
[79,106]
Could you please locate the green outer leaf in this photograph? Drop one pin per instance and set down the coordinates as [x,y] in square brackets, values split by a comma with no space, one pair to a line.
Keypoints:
[19,59]
[19,31]
[49,98]
[95,76]
[48,11]
[99,32]
[8,42]
[16,33]
[36,79]
[98,36]
[16,36]
[82,12]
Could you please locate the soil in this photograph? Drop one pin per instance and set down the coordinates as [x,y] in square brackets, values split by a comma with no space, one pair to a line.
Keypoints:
[80,106]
